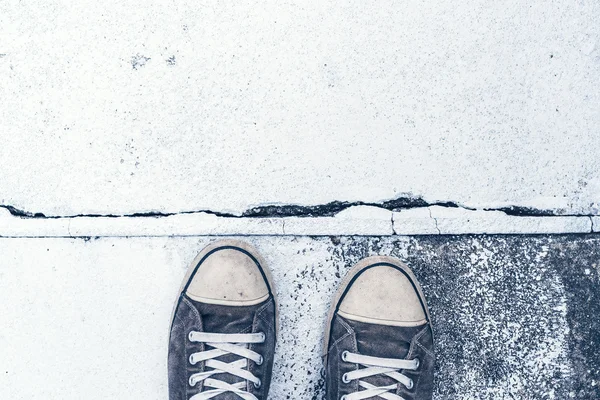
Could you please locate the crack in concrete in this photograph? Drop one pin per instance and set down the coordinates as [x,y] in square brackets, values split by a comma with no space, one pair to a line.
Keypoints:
[520,211]
[334,207]
[436,222]
[592,222]
[319,210]
[15,212]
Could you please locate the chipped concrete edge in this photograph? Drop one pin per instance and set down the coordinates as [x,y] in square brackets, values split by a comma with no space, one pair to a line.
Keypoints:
[360,220]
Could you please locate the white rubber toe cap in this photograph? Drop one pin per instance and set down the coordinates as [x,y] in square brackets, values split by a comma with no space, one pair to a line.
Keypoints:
[383,295]
[228,276]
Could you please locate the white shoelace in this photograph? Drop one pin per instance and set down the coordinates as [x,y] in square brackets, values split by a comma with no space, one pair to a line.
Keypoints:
[225,344]
[377,366]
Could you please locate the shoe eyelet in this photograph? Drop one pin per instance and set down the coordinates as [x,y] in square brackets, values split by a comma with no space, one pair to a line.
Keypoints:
[345,378]
[191,359]
[418,363]
[263,337]
[190,336]
[345,356]
[344,397]
[411,384]
[260,361]
[258,384]
[191,382]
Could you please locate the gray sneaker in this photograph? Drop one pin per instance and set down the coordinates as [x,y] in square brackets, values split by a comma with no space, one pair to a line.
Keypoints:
[379,341]
[224,327]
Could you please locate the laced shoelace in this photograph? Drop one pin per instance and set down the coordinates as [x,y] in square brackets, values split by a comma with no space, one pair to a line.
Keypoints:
[377,366]
[223,344]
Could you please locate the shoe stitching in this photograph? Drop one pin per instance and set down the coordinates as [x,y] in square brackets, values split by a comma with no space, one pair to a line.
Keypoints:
[349,332]
[263,307]
[354,348]
[348,328]
[177,317]
[417,382]
[337,369]
[356,367]
[252,346]
[418,336]
[194,310]
[247,330]
[201,328]
[425,349]
[411,353]
[260,312]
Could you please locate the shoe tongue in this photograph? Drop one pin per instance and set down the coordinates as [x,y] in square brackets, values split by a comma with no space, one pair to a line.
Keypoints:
[226,319]
[384,342]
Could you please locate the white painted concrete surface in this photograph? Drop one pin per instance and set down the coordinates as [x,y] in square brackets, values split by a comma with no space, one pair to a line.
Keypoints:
[595,224]
[169,105]
[90,320]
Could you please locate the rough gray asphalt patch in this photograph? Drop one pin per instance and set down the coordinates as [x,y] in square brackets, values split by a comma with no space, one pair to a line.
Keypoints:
[514,317]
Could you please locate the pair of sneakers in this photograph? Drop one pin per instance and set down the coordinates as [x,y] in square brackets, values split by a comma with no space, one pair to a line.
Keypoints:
[378,342]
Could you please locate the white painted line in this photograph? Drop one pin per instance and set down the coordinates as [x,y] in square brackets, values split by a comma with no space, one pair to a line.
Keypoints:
[197,224]
[175,225]
[457,221]
[360,220]
[416,221]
